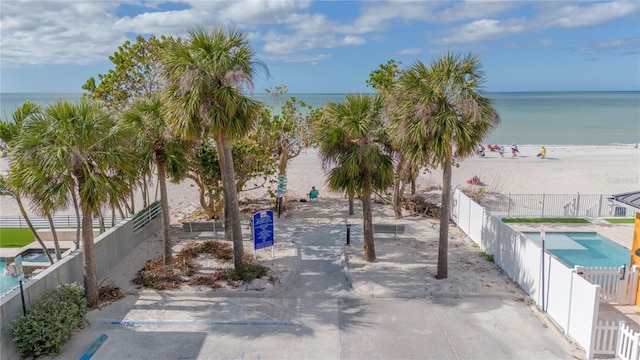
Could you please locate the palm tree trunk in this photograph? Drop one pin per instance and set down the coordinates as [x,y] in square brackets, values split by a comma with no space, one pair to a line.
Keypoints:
[145,192]
[76,209]
[228,231]
[88,250]
[33,230]
[367,215]
[369,247]
[89,256]
[396,199]
[56,243]
[445,209]
[166,223]
[231,202]
[351,204]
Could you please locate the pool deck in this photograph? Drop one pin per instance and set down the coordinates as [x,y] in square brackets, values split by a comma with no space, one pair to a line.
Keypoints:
[620,233]
[12,252]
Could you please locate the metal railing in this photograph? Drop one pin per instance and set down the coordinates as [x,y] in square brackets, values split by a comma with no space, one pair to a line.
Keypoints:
[59,221]
[555,205]
[146,215]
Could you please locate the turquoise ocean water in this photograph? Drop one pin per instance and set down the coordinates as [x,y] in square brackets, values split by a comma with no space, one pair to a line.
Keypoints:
[551,118]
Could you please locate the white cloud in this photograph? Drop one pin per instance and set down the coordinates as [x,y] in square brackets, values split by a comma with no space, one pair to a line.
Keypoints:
[46,32]
[572,16]
[354,40]
[413,51]
[480,30]
[376,15]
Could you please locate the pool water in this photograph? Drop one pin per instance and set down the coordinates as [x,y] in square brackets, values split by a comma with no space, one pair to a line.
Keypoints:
[6,283]
[38,255]
[583,248]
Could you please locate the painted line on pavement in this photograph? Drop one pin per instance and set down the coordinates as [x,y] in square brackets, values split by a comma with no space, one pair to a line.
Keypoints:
[94,347]
[182,323]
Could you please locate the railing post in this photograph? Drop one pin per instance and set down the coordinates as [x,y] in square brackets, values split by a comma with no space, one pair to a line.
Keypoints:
[600,206]
[576,211]
[509,206]
[543,198]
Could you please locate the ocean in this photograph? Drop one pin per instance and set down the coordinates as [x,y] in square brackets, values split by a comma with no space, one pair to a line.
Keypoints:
[527,118]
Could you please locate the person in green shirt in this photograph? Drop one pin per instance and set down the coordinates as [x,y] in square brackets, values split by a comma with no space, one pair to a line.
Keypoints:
[313,194]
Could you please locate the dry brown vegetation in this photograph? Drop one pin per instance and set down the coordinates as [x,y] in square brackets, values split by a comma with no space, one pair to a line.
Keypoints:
[187,268]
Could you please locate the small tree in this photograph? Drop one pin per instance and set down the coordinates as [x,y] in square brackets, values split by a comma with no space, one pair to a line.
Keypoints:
[350,148]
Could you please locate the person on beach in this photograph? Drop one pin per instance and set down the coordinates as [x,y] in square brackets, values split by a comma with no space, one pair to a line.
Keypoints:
[501,151]
[542,153]
[480,150]
[514,150]
[313,194]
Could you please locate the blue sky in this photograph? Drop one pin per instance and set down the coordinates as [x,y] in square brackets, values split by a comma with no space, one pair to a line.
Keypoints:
[332,46]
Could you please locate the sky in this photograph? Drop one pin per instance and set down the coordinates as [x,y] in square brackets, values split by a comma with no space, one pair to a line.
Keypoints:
[333,46]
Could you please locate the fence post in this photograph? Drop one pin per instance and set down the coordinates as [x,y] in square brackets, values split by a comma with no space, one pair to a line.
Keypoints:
[509,206]
[600,206]
[576,211]
[543,198]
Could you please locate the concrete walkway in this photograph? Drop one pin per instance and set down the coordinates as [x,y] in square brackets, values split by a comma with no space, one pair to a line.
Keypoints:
[325,310]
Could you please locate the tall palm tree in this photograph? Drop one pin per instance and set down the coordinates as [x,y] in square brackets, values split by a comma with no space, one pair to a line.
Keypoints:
[81,143]
[445,115]
[349,145]
[156,144]
[11,185]
[7,190]
[207,75]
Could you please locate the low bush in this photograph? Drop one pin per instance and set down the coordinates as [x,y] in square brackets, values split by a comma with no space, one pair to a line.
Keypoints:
[488,257]
[51,322]
[247,273]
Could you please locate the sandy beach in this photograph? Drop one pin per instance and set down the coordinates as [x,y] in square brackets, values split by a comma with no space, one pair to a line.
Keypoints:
[566,170]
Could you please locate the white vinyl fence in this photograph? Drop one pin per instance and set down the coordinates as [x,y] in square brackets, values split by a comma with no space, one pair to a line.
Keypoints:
[569,300]
[618,285]
[555,205]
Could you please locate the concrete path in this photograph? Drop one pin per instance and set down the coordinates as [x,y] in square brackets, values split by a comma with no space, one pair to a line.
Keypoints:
[318,314]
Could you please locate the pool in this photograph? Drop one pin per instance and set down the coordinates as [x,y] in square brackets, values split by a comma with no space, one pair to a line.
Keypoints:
[38,255]
[583,248]
[30,257]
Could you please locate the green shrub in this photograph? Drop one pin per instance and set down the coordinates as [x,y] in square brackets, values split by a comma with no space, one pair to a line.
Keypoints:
[488,257]
[51,322]
[247,273]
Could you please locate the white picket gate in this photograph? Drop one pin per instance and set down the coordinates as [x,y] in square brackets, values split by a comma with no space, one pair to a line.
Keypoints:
[606,337]
[617,339]
[628,343]
[617,285]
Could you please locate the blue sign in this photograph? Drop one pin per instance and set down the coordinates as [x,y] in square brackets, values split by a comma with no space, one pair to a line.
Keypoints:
[262,229]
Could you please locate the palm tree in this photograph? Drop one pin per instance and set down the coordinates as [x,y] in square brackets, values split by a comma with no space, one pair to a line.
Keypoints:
[349,145]
[8,190]
[81,144]
[156,144]
[207,76]
[11,185]
[444,116]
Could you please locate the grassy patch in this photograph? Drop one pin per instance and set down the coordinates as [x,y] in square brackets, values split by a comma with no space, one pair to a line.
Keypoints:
[621,221]
[546,220]
[487,257]
[15,237]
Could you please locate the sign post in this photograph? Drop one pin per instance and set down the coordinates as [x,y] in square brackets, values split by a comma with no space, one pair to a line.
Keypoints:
[282,188]
[17,262]
[542,235]
[262,230]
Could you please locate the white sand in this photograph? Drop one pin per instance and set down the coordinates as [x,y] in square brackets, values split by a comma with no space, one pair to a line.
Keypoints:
[566,170]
